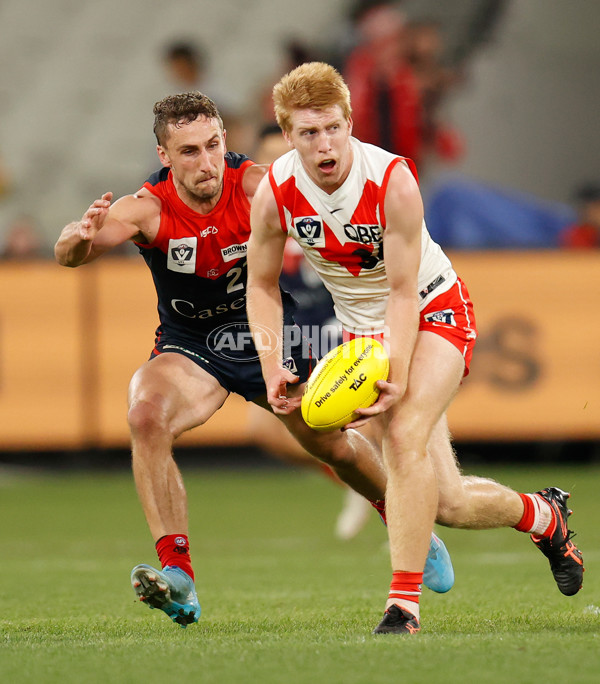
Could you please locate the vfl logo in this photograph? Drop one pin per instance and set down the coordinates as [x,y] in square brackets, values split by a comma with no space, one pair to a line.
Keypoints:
[446,317]
[357,382]
[181,255]
[309,230]
[290,364]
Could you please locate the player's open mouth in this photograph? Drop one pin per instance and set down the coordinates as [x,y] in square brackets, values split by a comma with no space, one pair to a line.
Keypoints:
[327,165]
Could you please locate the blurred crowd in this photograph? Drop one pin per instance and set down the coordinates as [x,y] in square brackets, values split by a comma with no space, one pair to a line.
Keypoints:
[401,73]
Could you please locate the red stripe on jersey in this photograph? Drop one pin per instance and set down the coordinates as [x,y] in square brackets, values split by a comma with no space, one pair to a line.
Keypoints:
[279,197]
[351,255]
[385,183]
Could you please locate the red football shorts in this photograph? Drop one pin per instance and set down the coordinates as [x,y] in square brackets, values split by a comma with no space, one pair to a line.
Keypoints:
[450,315]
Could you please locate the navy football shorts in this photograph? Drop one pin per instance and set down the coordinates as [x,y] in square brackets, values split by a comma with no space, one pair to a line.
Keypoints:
[228,354]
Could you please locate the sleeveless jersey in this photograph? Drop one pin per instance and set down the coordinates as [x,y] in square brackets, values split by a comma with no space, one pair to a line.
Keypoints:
[342,235]
[198,261]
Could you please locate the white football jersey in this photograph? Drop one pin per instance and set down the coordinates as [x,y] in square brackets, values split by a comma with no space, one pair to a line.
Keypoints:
[342,235]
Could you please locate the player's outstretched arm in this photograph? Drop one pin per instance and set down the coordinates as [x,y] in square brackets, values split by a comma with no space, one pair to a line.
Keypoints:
[103,227]
[265,311]
[75,241]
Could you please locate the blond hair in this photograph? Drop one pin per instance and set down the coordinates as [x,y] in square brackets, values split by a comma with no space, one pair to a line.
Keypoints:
[314,85]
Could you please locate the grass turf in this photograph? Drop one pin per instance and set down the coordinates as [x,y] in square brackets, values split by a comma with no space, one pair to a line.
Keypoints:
[283,601]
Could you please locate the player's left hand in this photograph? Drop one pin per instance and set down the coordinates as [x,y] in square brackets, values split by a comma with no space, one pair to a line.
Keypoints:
[389,394]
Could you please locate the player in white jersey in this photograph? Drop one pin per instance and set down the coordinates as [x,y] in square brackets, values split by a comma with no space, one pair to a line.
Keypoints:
[357,212]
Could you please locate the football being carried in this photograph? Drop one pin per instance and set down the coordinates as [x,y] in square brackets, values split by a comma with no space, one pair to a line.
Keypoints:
[342,382]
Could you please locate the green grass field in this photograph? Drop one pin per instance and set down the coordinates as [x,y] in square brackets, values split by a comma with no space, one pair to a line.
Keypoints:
[282,600]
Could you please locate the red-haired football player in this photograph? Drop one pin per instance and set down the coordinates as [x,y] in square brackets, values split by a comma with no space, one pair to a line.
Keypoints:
[357,212]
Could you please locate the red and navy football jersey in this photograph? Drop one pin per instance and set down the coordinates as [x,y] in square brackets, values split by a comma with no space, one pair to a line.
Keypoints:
[198,261]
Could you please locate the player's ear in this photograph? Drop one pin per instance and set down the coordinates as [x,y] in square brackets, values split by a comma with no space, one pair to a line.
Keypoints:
[350,125]
[288,140]
[224,140]
[163,156]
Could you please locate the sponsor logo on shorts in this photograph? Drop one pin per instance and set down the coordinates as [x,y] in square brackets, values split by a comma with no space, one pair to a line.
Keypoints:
[183,350]
[446,317]
[181,255]
[234,251]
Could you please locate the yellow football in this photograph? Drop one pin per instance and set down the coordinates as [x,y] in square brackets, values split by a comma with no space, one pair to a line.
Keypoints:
[343,381]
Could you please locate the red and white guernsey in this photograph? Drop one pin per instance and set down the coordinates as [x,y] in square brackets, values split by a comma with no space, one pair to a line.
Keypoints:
[342,235]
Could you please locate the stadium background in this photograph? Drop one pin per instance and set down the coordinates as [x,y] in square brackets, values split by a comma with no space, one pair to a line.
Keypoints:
[76,91]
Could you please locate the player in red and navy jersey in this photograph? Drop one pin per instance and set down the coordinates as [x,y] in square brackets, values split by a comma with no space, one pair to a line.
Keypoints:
[191,223]
[357,213]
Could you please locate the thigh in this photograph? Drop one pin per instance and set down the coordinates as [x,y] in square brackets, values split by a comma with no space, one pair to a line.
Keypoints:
[435,374]
[185,393]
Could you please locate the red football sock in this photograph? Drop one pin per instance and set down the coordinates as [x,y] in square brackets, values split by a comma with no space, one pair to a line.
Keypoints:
[379,506]
[406,586]
[538,516]
[329,472]
[174,549]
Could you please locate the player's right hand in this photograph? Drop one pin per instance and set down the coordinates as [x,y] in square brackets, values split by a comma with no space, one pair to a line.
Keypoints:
[277,395]
[93,219]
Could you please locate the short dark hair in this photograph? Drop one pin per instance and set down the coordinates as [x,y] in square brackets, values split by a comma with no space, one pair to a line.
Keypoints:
[589,192]
[268,129]
[181,109]
[187,51]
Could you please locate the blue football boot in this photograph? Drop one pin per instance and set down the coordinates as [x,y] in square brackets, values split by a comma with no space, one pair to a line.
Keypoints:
[439,573]
[171,590]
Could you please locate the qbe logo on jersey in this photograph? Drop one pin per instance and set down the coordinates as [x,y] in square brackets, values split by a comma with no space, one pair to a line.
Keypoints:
[181,256]
[309,230]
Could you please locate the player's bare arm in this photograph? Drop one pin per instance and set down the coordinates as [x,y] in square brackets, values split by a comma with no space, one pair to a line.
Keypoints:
[252,178]
[402,254]
[265,257]
[104,226]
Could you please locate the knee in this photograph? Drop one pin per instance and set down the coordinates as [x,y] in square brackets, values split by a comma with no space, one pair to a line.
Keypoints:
[453,504]
[334,449]
[405,446]
[147,418]
[450,509]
